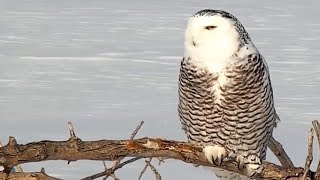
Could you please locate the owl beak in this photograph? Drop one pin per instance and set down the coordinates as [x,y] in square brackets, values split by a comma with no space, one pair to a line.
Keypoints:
[194,43]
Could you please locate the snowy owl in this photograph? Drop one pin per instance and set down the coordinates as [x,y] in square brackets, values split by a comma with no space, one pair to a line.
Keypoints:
[225,94]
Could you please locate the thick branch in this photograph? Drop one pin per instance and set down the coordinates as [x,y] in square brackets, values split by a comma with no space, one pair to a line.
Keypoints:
[75,149]
[27,176]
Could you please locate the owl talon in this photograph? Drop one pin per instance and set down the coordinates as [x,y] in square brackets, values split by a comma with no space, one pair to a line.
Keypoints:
[217,161]
[241,164]
[254,169]
[215,154]
[250,165]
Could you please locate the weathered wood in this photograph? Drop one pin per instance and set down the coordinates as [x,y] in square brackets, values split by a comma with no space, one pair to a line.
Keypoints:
[278,151]
[316,127]
[75,149]
[27,176]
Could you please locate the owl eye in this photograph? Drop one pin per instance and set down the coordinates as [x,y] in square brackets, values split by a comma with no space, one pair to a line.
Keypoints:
[210,27]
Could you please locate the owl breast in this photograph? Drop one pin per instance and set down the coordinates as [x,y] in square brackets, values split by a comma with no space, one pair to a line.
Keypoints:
[232,108]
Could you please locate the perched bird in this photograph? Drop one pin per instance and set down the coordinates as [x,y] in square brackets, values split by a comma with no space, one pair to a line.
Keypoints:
[225,95]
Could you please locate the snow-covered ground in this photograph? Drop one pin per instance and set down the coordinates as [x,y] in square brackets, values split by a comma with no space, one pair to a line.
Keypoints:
[107,65]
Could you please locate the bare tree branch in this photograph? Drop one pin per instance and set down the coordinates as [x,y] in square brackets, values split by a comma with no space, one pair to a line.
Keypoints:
[13,154]
[110,171]
[309,155]
[74,149]
[27,176]
[71,131]
[316,127]
[280,153]
[154,170]
[136,130]
[144,169]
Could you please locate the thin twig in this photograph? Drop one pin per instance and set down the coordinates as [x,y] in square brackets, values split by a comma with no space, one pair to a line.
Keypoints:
[161,160]
[316,127]
[110,171]
[144,169]
[280,153]
[105,168]
[114,176]
[156,173]
[71,131]
[309,155]
[136,130]
[115,164]
[104,165]
[146,166]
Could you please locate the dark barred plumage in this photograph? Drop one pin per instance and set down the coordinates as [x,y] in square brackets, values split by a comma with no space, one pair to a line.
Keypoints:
[238,115]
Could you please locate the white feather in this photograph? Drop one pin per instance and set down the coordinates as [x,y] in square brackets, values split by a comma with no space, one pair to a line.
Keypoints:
[214,152]
[214,49]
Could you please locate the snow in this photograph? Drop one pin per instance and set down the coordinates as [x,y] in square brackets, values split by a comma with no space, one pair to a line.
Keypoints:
[107,65]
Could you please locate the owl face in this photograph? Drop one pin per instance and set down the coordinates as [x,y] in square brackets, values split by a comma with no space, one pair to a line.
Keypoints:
[211,30]
[214,35]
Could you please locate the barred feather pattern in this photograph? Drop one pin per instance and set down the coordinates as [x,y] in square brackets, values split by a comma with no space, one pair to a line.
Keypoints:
[238,115]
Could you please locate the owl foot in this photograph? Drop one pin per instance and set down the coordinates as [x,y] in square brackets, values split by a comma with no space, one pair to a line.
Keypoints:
[215,154]
[250,165]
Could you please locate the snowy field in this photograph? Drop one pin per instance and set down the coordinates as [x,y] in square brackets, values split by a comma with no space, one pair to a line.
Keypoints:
[107,65]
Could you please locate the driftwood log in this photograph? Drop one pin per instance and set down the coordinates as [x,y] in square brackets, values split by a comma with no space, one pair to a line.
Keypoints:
[75,149]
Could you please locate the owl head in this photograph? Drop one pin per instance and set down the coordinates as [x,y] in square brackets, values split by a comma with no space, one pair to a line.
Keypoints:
[214,34]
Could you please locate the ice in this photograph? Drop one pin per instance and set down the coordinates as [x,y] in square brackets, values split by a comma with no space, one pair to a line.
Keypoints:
[107,65]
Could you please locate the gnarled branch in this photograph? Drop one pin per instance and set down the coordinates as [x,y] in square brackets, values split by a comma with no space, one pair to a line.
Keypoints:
[75,149]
